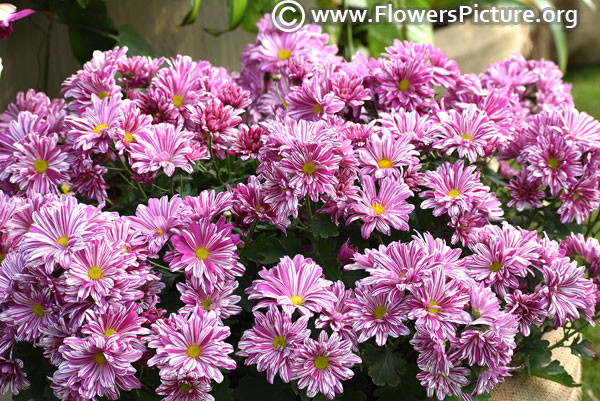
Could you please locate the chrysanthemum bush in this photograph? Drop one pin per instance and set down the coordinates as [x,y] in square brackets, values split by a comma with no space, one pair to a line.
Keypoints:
[308,227]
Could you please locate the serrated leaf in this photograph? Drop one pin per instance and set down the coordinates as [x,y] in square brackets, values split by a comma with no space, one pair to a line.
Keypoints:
[192,14]
[582,349]
[323,227]
[385,367]
[556,373]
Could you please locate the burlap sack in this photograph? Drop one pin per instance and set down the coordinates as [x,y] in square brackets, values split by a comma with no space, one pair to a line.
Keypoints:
[524,388]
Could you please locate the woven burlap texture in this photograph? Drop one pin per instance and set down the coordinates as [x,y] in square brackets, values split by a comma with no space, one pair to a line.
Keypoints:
[521,387]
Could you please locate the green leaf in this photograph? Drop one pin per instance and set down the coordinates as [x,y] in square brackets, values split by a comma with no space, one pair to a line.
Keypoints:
[83,3]
[556,373]
[422,33]
[582,349]
[254,388]
[137,45]
[222,391]
[236,10]
[352,395]
[558,34]
[323,227]
[381,36]
[193,14]
[385,367]
[255,11]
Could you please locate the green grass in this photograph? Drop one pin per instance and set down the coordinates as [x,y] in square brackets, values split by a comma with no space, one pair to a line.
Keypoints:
[586,93]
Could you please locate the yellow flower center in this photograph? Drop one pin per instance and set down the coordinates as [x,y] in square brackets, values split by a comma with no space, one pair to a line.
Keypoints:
[125,249]
[184,387]
[64,241]
[495,267]
[159,231]
[309,168]
[467,137]
[432,307]
[378,208]
[202,253]
[38,309]
[553,163]
[297,299]
[95,273]
[109,332]
[576,194]
[99,358]
[40,166]
[102,94]
[285,104]
[99,127]
[321,362]
[279,342]
[384,163]
[65,189]
[2,257]
[128,137]
[453,193]
[476,313]
[177,100]
[317,109]
[284,54]
[193,351]
[404,84]
[379,312]
[206,304]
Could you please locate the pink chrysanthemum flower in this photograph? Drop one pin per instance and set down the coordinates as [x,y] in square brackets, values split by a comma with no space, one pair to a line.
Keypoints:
[100,365]
[132,123]
[92,131]
[11,265]
[40,166]
[272,342]
[247,142]
[94,271]
[188,388]
[312,167]
[338,318]
[56,233]
[294,284]
[208,204]
[526,308]
[207,251]
[9,14]
[158,220]
[137,71]
[321,365]
[311,102]
[567,292]
[410,123]
[220,299]
[453,188]
[469,132]
[381,209]
[191,346]
[555,160]
[587,249]
[579,200]
[87,179]
[443,384]
[163,146]
[29,310]
[276,49]
[382,155]
[12,377]
[404,84]
[438,305]
[377,316]
[525,191]
[251,205]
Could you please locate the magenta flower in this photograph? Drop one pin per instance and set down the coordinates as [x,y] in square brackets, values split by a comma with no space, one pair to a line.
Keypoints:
[41,166]
[525,191]
[30,310]
[526,308]
[207,251]
[443,384]
[383,155]
[191,346]
[377,316]
[311,102]
[321,365]
[158,220]
[133,123]
[580,199]
[92,131]
[8,14]
[99,365]
[294,284]
[453,188]
[220,299]
[272,342]
[121,320]
[438,305]
[312,167]
[188,388]
[404,84]
[208,204]
[338,318]
[12,377]
[162,146]
[381,209]
[469,132]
